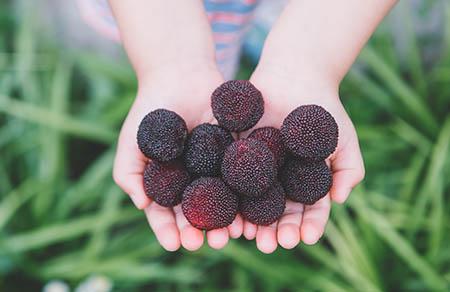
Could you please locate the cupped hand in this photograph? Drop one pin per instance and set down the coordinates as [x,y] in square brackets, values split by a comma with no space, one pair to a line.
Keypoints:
[187,92]
[283,93]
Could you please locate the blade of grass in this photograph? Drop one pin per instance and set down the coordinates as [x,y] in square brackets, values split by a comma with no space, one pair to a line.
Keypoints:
[66,230]
[53,142]
[440,74]
[5,181]
[110,208]
[280,271]
[446,31]
[86,189]
[412,136]
[122,269]
[61,122]
[15,199]
[6,82]
[246,259]
[371,89]
[241,280]
[351,267]
[134,252]
[432,184]
[437,223]
[383,42]
[119,72]
[118,112]
[410,100]
[398,244]
[9,132]
[323,256]
[387,203]
[131,237]
[436,182]
[357,246]
[25,46]
[413,57]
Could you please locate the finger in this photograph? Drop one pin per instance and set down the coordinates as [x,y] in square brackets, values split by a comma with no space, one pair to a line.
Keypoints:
[162,222]
[129,165]
[314,220]
[288,232]
[266,238]
[249,230]
[217,238]
[133,187]
[348,170]
[236,228]
[191,237]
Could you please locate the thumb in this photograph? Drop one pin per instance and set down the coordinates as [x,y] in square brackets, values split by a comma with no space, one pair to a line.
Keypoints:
[129,166]
[348,170]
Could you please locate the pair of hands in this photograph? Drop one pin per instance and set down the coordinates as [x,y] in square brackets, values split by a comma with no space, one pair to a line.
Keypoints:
[187,91]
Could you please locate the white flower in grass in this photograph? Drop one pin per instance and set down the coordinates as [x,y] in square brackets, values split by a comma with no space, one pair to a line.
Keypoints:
[95,284]
[56,286]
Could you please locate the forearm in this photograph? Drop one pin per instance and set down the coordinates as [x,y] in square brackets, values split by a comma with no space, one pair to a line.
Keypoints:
[321,37]
[162,33]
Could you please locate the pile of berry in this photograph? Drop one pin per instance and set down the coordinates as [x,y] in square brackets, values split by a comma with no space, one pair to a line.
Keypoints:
[215,177]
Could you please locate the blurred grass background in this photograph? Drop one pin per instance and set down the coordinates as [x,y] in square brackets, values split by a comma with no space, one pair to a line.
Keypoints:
[62,217]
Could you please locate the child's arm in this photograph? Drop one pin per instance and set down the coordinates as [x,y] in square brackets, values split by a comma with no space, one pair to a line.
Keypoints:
[322,38]
[164,33]
[170,45]
[305,57]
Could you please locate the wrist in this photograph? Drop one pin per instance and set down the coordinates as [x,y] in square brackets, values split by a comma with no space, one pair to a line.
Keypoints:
[286,80]
[179,71]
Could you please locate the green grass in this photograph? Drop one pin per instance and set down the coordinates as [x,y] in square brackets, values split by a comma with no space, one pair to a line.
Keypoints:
[62,217]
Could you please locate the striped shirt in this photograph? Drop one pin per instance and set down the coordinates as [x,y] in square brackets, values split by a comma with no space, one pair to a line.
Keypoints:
[229,21]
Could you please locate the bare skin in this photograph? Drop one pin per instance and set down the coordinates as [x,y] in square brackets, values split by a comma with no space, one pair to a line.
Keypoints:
[302,222]
[172,52]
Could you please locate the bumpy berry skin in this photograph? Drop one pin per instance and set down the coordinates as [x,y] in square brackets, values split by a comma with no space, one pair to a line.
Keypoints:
[209,204]
[162,135]
[249,167]
[272,137]
[264,210]
[237,105]
[310,132]
[306,181]
[205,148]
[164,182]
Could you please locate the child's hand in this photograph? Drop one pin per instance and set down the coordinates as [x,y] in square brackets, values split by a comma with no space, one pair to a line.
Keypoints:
[282,94]
[187,92]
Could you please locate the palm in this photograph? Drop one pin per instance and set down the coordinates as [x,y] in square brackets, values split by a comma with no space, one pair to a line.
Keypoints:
[303,222]
[189,97]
